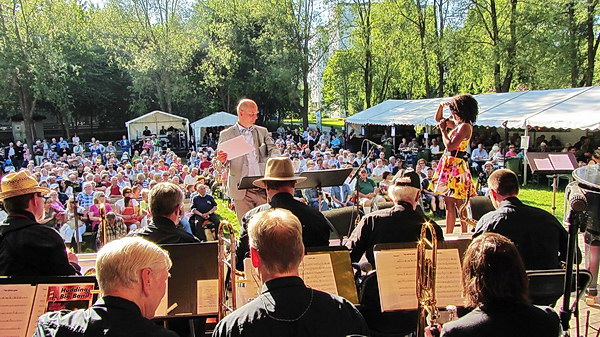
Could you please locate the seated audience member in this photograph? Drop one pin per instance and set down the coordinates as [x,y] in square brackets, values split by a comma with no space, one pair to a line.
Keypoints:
[166,207]
[401,223]
[127,208]
[512,151]
[435,201]
[495,285]
[132,275]
[539,237]
[341,195]
[482,179]
[280,183]
[203,208]
[368,192]
[115,229]
[28,248]
[286,306]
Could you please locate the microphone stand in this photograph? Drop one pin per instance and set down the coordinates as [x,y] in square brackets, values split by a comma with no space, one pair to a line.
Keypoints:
[575,220]
[355,176]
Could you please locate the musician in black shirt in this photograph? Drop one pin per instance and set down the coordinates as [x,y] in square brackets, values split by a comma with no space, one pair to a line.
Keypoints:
[286,306]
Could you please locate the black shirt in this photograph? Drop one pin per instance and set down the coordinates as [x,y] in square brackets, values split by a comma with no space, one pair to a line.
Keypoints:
[109,316]
[315,228]
[539,237]
[400,223]
[163,231]
[30,249]
[506,320]
[286,308]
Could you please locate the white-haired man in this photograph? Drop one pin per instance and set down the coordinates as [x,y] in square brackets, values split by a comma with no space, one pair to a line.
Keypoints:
[286,306]
[401,223]
[132,274]
[253,163]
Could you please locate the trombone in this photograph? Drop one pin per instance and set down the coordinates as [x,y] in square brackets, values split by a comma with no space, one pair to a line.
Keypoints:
[226,270]
[426,266]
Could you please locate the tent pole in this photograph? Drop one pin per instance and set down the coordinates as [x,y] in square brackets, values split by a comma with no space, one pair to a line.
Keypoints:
[525,158]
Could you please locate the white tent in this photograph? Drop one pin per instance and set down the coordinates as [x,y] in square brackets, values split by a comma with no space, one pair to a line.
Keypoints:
[573,108]
[155,120]
[221,118]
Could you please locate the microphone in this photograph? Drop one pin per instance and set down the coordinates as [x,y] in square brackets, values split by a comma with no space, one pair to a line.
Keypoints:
[577,199]
[380,147]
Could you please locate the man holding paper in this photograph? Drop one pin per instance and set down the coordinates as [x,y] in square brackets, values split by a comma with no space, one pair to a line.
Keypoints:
[286,306]
[245,148]
[539,237]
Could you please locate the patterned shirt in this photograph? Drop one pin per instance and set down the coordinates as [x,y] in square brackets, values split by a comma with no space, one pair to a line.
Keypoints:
[85,200]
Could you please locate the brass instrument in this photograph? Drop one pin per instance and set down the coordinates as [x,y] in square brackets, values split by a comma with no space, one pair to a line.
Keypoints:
[226,270]
[102,224]
[464,211]
[426,279]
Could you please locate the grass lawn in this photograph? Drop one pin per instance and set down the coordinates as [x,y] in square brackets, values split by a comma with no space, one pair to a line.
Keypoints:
[337,123]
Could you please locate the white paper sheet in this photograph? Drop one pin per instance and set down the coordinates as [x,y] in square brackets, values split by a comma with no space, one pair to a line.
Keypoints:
[543,164]
[317,272]
[561,161]
[161,310]
[397,278]
[235,147]
[207,297]
[15,309]
[249,288]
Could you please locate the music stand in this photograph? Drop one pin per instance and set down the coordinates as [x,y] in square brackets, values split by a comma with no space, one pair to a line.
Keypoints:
[552,163]
[247,182]
[323,178]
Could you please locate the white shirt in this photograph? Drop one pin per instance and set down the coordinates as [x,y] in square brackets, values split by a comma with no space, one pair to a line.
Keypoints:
[253,168]
[189,180]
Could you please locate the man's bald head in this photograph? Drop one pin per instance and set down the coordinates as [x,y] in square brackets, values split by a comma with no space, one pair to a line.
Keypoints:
[245,105]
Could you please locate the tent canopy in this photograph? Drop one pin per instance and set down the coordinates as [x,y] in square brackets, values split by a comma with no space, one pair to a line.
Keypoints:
[572,108]
[155,120]
[221,118]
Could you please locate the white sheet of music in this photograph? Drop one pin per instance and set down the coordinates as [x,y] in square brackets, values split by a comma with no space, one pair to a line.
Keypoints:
[317,272]
[250,287]
[397,285]
[207,297]
[161,310]
[543,164]
[39,306]
[15,309]
[396,278]
[235,147]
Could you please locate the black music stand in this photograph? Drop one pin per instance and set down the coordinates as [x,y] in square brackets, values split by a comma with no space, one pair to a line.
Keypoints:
[552,163]
[247,182]
[323,178]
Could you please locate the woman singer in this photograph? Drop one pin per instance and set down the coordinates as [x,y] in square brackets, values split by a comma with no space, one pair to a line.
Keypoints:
[452,177]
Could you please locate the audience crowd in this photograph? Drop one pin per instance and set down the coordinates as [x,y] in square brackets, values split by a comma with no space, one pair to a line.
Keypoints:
[114,178]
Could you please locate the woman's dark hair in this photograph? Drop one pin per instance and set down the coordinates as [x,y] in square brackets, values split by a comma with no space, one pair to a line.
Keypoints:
[493,272]
[466,107]
[385,174]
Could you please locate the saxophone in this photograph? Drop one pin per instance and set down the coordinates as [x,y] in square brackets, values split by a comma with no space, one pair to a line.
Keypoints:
[464,211]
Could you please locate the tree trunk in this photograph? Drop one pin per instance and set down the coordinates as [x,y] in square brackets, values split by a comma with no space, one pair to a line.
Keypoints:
[572,43]
[439,26]
[511,49]
[590,37]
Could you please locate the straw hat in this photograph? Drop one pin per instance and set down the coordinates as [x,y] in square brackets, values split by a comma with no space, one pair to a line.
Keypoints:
[20,183]
[278,169]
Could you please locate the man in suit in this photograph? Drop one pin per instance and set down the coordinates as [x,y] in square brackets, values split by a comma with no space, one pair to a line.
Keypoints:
[251,164]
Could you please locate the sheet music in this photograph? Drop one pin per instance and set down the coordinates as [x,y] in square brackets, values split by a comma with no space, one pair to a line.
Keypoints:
[397,285]
[448,278]
[161,310]
[317,272]
[543,164]
[249,288]
[207,297]
[561,161]
[15,309]
[235,147]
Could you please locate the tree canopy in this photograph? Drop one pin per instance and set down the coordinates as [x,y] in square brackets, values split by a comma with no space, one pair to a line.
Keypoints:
[105,64]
